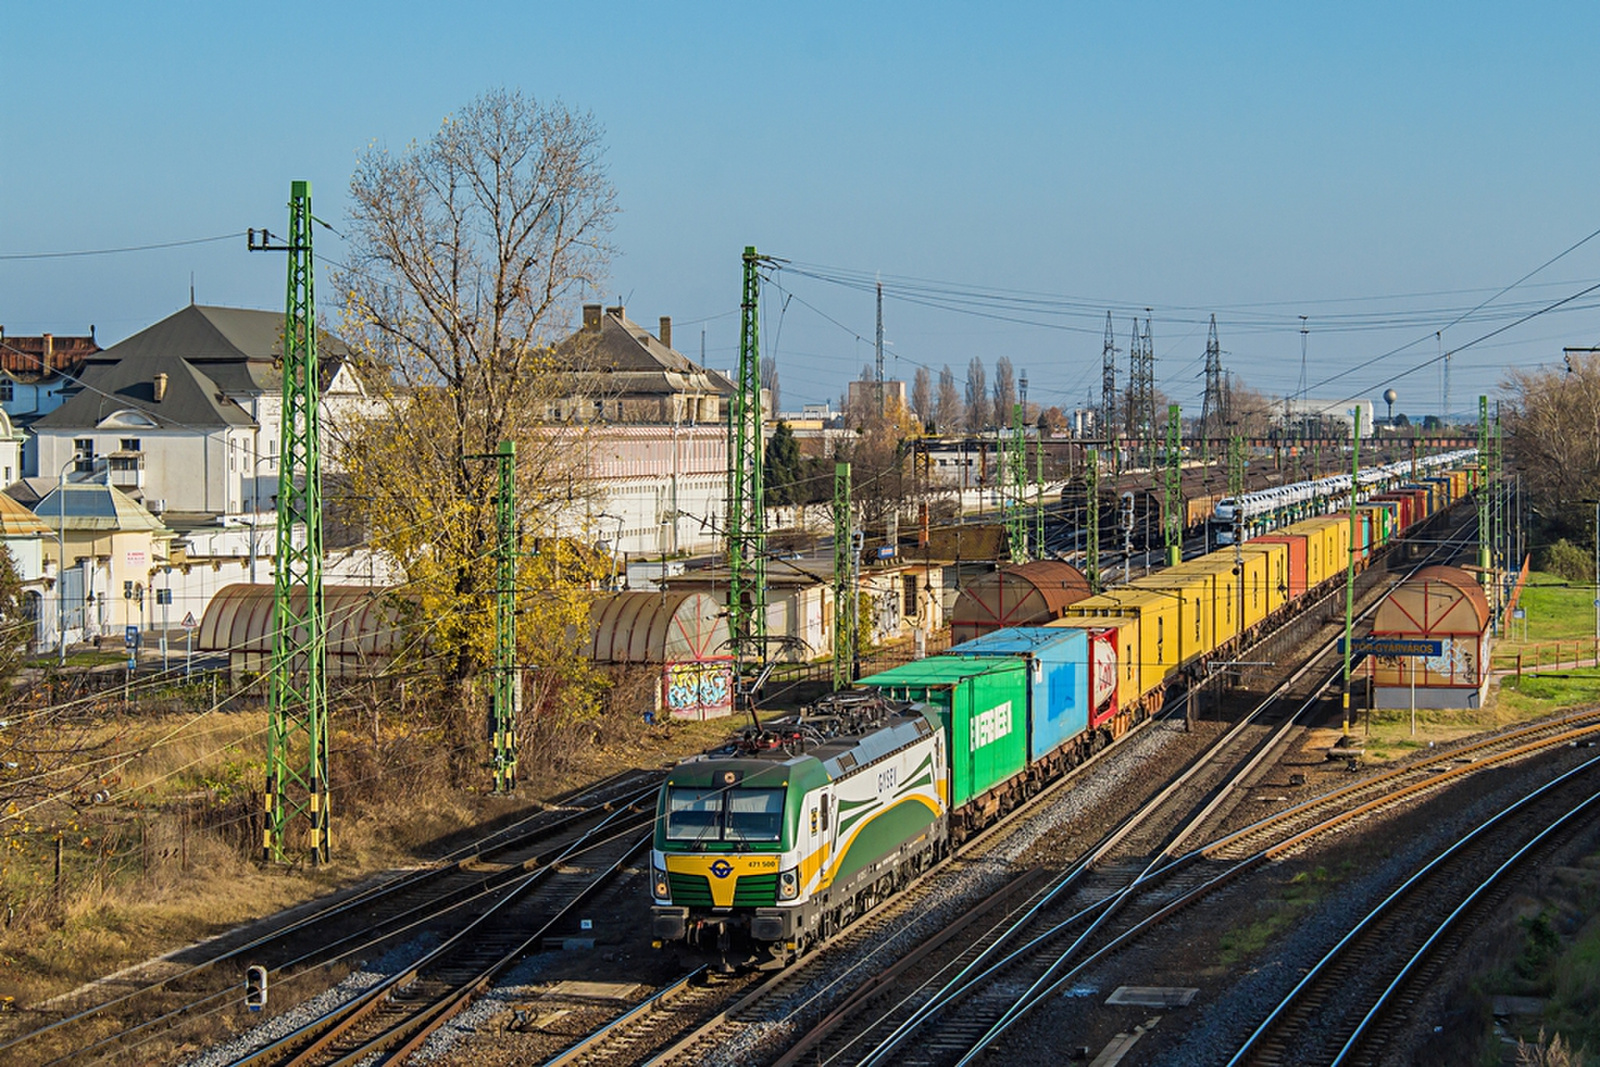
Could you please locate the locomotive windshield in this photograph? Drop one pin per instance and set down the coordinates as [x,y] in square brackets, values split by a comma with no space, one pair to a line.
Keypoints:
[724,814]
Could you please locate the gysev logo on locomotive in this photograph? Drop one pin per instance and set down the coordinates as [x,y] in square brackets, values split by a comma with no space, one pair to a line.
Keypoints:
[990,726]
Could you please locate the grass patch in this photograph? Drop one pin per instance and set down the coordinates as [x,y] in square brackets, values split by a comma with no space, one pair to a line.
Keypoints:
[1554,609]
[1386,733]
[1300,893]
[1556,955]
[161,848]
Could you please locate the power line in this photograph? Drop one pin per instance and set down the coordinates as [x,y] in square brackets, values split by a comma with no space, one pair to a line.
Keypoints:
[117,251]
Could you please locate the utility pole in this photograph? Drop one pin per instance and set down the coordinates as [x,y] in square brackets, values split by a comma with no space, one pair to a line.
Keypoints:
[507,679]
[1142,390]
[1501,557]
[1172,498]
[1038,498]
[747,533]
[1014,469]
[879,346]
[296,793]
[845,600]
[1091,499]
[1484,532]
[1108,387]
[1355,549]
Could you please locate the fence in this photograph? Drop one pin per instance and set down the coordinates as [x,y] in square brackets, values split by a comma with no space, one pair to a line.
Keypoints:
[891,655]
[1547,655]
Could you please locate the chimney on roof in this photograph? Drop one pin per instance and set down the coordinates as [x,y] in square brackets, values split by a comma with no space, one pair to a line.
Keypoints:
[161,387]
[666,330]
[49,347]
[591,317]
[616,312]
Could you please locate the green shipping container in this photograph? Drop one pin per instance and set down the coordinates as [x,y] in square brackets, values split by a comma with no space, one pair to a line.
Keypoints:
[982,703]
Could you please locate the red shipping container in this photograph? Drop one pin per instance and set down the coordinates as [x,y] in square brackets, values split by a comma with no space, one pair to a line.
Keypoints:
[1297,559]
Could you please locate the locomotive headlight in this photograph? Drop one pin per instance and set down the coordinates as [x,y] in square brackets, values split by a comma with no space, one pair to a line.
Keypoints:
[658,879]
[789,884]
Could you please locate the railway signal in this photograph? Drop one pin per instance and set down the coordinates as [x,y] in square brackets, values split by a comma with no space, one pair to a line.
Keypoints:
[255,987]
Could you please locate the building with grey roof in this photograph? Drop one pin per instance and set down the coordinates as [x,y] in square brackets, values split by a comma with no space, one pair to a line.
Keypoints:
[184,416]
[624,374]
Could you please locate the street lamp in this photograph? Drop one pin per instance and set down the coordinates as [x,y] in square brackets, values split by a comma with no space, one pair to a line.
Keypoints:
[1596,503]
[255,509]
[61,560]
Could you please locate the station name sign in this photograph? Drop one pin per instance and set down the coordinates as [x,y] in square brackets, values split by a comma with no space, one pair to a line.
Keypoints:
[1393,646]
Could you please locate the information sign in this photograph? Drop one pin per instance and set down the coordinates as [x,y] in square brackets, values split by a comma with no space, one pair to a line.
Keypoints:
[1393,646]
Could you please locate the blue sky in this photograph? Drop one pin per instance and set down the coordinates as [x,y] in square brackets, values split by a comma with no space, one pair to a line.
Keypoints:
[1260,162]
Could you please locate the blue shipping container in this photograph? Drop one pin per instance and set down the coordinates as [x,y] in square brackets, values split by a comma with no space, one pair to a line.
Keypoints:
[1058,676]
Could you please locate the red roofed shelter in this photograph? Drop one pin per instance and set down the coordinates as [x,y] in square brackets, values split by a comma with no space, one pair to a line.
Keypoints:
[1444,605]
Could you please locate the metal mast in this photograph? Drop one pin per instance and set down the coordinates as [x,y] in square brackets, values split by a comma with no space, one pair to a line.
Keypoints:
[1015,470]
[879,346]
[1141,389]
[1172,499]
[1484,533]
[845,604]
[1211,408]
[1038,498]
[1091,495]
[747,535]
[1108,385]
[507,691]
[296,792]
[1355,550]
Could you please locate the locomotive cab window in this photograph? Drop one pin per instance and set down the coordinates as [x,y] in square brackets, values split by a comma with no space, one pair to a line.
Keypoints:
[694,814]
[754,815]
[724,814]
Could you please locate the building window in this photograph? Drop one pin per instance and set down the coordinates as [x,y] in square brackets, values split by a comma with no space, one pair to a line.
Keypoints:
[84,447]
[5,389]
[908,595]
[131,444]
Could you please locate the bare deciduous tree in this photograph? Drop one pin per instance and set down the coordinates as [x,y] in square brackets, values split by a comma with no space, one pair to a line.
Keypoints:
[769,381]
[470,253]
[977,396]
[1005,391]
[922,395]
[1552,422]
[949,412]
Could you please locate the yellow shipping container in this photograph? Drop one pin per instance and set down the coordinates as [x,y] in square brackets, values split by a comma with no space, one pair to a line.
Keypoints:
[1225,596]
[1196,589]
[1273,592]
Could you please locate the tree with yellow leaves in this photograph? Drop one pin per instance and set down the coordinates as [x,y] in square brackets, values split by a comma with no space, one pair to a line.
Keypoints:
[470,252]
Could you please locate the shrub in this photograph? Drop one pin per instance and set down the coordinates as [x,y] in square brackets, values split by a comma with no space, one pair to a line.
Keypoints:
[1570,561]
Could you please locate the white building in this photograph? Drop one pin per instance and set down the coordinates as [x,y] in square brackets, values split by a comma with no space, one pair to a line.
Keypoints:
[185,415]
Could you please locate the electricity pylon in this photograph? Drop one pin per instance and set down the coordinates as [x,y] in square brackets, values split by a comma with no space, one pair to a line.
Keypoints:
[845,598]
[747,534]
[297,817]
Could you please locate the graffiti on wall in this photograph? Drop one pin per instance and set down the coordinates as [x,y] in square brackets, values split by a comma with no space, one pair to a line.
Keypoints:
[699,690]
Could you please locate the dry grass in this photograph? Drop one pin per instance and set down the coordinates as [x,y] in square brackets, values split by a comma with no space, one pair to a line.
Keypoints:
[171,858]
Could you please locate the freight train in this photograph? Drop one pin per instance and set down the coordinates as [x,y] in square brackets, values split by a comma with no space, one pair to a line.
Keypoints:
[766,846]
[1267,509]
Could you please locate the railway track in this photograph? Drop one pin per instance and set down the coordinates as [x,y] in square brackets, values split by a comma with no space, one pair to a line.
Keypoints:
[397,1014]
[1200,792]
[1353,1000]
[142,1010]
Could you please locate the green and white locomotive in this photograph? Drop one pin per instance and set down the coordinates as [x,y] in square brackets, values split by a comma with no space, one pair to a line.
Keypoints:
[768,845]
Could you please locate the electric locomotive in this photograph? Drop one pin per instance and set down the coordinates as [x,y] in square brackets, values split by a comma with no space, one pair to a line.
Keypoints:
[766,846]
